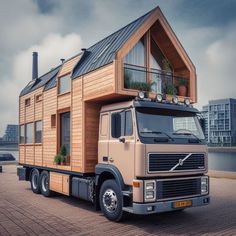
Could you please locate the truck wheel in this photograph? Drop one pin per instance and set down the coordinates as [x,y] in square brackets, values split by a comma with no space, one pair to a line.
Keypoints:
[44,184]
[35,178]
[111,201]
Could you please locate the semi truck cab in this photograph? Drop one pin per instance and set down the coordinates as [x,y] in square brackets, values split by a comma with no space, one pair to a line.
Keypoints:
[159,153]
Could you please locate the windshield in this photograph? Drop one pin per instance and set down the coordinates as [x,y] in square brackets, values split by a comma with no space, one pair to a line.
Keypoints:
[168,124]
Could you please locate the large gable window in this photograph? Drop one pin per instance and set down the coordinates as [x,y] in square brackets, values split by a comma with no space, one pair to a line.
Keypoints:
[64,84]
[135,65]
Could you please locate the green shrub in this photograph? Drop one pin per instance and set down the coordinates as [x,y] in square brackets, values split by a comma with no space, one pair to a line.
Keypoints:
[63,150]
[58,159]
[171,90]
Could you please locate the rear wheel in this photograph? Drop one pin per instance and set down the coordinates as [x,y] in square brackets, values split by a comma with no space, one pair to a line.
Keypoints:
[44,184]
[111,200]
[35,179]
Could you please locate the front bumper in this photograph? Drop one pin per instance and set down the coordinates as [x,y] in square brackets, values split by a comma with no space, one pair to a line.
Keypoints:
[158,207]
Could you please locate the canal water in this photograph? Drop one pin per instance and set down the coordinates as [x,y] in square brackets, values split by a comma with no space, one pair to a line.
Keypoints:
[216,160]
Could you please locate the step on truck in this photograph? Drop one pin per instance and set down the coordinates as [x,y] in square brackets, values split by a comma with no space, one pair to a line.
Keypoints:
[115,125]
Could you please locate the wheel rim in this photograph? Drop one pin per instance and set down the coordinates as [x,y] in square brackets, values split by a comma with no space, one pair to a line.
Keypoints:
[110,200]
[35,181]
[45,183]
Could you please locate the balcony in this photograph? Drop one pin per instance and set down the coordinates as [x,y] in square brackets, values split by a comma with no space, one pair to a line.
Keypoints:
[157,81]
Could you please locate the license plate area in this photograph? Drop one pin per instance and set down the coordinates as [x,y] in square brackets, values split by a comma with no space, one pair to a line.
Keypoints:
[182,204]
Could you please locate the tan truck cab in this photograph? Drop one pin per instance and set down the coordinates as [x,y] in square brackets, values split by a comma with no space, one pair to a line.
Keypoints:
[158,149]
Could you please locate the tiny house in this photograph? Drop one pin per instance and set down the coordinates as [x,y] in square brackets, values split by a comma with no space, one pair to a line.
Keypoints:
[70,108]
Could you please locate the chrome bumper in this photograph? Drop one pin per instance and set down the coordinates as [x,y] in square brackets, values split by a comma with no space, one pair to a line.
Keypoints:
[158,207]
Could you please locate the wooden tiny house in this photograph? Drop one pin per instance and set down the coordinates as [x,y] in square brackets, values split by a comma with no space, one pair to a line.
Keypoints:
[62,107]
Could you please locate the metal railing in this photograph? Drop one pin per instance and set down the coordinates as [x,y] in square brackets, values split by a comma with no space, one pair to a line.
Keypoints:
[160,81]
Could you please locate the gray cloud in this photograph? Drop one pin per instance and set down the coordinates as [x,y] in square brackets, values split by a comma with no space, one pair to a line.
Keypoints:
[58,28]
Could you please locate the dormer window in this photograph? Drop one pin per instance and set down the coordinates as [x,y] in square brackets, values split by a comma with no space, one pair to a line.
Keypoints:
[64,84]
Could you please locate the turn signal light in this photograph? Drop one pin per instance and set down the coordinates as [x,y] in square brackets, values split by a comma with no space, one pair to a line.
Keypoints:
[136,184]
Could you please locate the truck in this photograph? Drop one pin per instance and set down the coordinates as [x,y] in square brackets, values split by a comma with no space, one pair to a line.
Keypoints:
[115,125]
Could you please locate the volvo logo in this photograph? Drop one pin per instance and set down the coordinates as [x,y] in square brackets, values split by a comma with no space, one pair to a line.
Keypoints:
[181,162]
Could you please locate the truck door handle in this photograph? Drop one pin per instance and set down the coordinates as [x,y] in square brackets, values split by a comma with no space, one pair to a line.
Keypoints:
[111,159]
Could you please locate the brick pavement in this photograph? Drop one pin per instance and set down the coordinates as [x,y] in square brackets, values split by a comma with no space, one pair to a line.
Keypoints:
[25,213]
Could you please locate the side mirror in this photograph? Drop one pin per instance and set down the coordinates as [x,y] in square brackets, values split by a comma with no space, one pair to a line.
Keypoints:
[122,139]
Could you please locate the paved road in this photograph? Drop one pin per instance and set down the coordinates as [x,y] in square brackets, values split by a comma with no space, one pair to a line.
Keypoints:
[25,213]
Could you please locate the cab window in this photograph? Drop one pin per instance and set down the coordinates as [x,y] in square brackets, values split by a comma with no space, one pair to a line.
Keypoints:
[122,124]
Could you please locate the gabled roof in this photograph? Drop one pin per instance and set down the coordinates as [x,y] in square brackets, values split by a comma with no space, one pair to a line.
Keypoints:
[104,52]
[41,81]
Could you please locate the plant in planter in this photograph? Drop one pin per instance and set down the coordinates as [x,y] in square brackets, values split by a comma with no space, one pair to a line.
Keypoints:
[171,90]
[62,157]
[142,86]
[58,159]
[182,87]
[63,152]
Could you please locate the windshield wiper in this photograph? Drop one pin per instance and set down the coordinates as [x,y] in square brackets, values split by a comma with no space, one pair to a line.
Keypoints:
[188,134]
[157,132]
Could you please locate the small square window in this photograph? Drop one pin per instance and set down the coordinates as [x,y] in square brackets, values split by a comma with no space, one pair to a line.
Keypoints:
[27,102]
[39,98]
[64,84]
[53,121]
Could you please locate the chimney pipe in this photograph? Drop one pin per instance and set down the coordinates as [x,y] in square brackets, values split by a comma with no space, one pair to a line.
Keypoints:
[35,66]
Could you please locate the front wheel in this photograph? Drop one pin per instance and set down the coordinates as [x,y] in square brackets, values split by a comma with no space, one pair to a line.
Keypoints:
[111,200]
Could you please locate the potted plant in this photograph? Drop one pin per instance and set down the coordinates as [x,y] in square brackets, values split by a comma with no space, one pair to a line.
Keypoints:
[182,88]
[171,90]
[58,159]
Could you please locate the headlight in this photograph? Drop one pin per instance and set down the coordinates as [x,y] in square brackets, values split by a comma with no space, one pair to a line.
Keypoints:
[204,184]
[150,190]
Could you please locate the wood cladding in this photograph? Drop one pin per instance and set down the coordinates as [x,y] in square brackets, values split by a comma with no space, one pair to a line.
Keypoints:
[59,183]
[68,66]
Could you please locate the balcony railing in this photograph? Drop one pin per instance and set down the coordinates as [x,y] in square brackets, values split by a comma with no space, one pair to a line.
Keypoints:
[158,81]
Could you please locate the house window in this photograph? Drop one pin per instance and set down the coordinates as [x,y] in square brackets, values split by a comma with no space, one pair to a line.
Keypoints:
[39,98]
[135,65]
[65,130]
[53,121]
[64,84]
[29,130]
[22,134]
[27,102]
[38,132]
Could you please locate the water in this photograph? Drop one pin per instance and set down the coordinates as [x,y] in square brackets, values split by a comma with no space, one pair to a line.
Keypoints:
[225,161]
[14,153]
[216,160]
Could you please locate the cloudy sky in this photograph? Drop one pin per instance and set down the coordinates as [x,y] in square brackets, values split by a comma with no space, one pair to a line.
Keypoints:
[59,29]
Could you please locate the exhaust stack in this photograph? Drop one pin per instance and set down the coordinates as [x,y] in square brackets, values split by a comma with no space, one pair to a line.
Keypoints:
[35,66]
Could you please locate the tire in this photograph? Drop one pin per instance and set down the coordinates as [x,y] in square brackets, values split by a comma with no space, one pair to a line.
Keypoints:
[111,200]
[44,184]
[35,181]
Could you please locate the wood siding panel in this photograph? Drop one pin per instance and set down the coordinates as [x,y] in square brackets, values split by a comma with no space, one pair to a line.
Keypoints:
[22,110]
[29,154]
[64,101]
[38,114]
[99,83]
[21,154]
[92,111]
[77,126]
[38,152]
[59,183]
[68,66]
[49,133]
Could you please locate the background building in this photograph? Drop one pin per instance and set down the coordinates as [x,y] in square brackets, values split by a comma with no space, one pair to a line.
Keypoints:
[220,122]
[11,134]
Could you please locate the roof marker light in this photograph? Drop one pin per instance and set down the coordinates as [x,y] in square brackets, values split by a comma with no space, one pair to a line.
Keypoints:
[159,98]
[175,100]
[187,101]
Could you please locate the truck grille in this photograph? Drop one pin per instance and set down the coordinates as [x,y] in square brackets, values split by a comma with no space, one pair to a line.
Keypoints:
[180,188]
[160,162]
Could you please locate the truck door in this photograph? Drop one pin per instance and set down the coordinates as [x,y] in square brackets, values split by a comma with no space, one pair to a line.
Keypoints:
[122,143]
